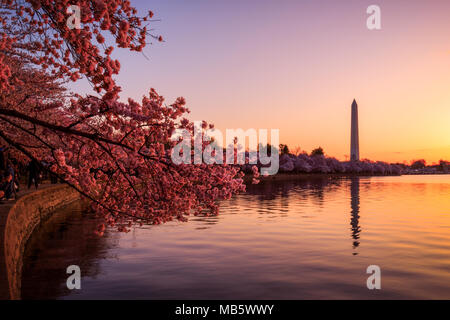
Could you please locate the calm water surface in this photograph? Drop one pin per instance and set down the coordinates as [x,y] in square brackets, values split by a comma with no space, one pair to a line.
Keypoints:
[307,239]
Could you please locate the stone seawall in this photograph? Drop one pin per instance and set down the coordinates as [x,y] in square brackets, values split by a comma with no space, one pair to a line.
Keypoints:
[17,225]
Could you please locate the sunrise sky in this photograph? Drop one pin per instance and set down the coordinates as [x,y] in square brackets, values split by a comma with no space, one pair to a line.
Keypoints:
[297,65]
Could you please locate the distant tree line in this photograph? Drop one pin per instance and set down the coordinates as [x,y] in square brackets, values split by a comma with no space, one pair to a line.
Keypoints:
[317,162]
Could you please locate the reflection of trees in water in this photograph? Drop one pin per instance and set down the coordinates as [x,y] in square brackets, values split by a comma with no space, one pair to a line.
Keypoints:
[67,238]
[312,189]
[316,188]
[288,192]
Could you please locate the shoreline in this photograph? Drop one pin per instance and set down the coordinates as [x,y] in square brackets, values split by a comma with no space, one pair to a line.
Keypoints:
[18,220]
[298,176]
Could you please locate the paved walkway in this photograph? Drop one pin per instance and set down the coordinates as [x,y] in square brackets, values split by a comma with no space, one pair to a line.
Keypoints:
[5,205]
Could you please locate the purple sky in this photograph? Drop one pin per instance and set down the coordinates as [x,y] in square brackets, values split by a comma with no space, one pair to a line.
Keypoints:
[297,65]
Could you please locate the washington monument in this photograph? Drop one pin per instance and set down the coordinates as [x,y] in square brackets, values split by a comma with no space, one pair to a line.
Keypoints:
[354,143]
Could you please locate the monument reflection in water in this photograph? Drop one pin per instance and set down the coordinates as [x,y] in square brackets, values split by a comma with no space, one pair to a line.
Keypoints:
[305,239]
[354,221]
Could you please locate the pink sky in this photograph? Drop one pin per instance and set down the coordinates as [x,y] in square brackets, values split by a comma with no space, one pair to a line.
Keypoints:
[297,65]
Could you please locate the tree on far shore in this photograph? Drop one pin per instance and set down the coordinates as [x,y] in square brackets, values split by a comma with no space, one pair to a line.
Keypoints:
[418,164]
[317,152]
[284,149]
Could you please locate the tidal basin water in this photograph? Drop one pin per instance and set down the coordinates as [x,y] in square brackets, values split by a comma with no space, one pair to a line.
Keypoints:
[304,239]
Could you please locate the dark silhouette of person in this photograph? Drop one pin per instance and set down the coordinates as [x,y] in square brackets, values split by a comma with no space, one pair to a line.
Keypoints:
[8,181]
[33,173]
[2,158]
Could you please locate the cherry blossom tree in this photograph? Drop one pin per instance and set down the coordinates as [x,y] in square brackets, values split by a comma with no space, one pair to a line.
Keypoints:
[116,154]
[318,163]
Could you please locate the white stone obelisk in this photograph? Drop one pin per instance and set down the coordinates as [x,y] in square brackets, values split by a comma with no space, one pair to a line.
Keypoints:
[354,143]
